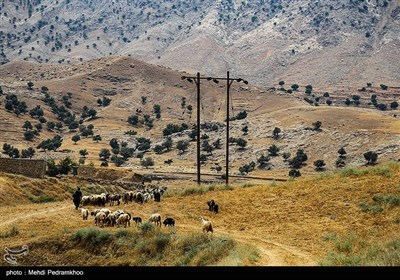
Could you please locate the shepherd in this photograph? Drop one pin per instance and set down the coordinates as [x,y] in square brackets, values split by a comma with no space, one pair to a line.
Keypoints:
[76,197]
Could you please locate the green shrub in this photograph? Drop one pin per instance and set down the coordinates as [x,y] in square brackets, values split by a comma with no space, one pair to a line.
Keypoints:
[91,235]
[13,231]
[42,199]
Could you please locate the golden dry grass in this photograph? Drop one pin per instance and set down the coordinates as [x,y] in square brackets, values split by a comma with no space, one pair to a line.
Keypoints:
[288,223]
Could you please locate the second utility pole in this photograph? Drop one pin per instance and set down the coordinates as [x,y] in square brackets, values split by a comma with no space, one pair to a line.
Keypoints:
[198,127]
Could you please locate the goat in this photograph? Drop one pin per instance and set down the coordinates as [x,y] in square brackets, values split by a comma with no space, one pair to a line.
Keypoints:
[211,204]
[169,222]
[157,196]
[215,208]
[85,213]
[206,225]
[155,218]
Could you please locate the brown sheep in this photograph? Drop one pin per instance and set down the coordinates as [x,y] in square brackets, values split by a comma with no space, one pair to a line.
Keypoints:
[206,225]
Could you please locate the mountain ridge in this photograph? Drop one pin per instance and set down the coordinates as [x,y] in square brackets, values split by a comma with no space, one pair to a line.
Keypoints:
[262,41]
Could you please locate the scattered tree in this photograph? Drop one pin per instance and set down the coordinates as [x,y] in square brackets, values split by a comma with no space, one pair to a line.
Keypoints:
[319,165]
[76,138]
[148,161]
[182,145]
[317,125]
[104,154]
[371,157]
[83,153]
[293,173]
[276,132]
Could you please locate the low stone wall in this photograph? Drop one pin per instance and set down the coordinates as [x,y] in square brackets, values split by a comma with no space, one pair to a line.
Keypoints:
[35,168]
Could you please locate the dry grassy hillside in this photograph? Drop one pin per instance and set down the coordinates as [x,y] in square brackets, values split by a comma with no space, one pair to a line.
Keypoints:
[345,218]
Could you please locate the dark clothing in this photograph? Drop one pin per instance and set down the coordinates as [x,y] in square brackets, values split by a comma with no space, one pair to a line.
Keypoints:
[77,196]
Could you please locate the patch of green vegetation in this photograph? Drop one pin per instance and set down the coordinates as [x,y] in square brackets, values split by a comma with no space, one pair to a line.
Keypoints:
[350,250]
[328,236]
[42,199]
[152,246]
[379,202]
[351,171]
[385,170]
[248,185]
[13,231]
[91,235]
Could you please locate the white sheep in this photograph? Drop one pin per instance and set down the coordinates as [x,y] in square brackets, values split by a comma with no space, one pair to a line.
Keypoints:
[206,225]
[100,219]
[155,218]
[123,219]
[85,213]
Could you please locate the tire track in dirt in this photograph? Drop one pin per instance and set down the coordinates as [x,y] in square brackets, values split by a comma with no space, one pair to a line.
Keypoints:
[274,253]
[33,214]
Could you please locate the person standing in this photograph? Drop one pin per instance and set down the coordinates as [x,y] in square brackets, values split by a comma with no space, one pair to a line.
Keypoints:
[76,197]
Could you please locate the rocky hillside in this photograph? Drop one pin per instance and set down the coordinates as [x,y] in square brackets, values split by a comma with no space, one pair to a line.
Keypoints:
[303,41]
[125,99]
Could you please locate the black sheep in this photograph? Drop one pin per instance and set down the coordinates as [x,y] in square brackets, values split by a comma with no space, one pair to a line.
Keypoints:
[169,222]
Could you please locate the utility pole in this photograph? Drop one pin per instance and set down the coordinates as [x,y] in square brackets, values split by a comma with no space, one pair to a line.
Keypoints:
[229,82]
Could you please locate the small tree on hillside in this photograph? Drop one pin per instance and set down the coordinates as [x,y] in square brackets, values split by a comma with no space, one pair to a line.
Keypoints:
[167,143]
[29,135]
[286,156]
[319,165]
[317,125]
[371,157]
[273,150]
[342,153]
[276,132]
[27,125]
[96,138]
[245,130]
[158,149]
[147,162]
[76,138]
[263,161]
[295,87]
[293,173]
[241,143]
[182,145]
[104,154]
[83,153]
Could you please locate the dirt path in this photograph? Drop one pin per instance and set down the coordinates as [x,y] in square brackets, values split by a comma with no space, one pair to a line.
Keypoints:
[271,253]
[31,214]
[276,254]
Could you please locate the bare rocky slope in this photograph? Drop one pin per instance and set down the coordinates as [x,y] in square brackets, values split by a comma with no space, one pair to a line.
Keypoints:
[307,42]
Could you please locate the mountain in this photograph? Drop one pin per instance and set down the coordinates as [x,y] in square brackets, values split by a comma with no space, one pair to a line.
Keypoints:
[334,42]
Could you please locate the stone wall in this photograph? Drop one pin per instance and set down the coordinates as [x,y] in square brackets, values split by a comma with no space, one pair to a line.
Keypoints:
[35,168]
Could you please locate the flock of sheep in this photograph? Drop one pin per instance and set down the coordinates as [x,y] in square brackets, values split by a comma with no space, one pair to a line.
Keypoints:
[119,218]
